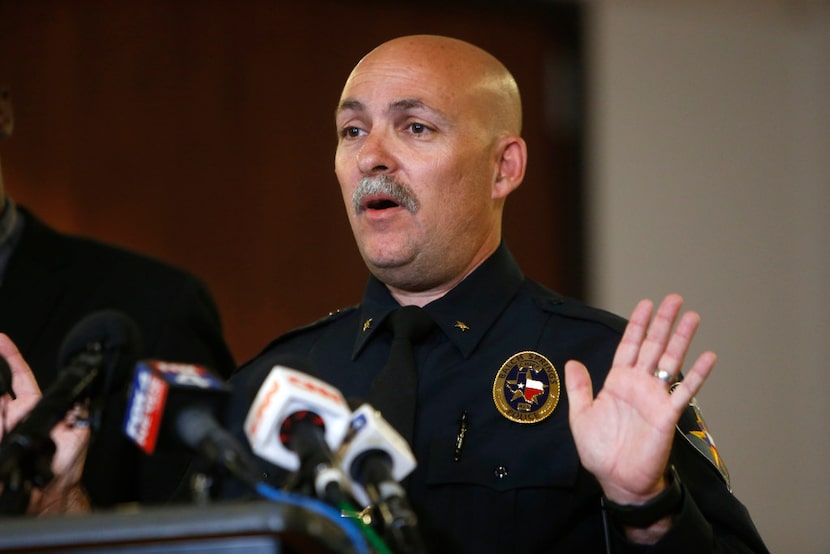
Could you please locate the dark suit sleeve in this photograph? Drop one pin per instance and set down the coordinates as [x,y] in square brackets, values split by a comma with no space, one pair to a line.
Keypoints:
[53,281]
[185,328]
[190,331]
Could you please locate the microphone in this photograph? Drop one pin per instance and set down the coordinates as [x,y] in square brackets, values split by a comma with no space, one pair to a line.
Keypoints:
[377,457]
[177,405]
[116,338]
[294,422]
[91,358]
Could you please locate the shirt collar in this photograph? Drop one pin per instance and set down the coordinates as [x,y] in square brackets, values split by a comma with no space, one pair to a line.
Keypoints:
[464,314]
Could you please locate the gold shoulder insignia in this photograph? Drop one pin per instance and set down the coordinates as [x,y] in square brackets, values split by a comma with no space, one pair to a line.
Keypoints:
[694,430]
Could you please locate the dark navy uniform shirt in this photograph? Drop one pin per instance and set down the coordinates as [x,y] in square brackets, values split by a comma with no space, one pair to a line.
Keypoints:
[512,486]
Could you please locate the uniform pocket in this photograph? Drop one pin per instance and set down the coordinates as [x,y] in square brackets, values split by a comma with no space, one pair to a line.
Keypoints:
[504,455]
[515,484]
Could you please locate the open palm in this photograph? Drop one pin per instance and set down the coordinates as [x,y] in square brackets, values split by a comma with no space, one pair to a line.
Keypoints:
[624,435]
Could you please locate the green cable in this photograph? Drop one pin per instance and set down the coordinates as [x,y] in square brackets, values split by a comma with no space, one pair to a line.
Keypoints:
[373,538]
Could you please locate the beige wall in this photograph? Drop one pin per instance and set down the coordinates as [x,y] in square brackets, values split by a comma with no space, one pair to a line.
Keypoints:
[710,176]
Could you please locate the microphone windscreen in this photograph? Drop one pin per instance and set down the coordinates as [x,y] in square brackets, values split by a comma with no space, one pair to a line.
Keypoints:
[112,329]
[112,338]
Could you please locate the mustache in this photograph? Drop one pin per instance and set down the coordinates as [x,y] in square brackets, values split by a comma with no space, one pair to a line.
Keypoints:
[386,185]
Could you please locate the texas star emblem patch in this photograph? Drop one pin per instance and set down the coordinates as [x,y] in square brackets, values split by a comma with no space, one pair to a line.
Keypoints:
[526,389]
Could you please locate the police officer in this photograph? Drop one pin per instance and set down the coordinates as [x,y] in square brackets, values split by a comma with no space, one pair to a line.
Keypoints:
[513,451]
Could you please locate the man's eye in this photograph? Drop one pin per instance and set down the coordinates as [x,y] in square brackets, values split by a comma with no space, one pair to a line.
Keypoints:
[418,128]
[351,132]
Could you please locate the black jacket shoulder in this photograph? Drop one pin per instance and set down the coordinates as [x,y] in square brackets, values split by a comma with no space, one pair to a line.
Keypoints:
[305,333]
[564,306]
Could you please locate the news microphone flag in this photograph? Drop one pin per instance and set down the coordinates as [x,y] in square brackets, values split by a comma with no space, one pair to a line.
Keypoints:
[153,382]
[284,393]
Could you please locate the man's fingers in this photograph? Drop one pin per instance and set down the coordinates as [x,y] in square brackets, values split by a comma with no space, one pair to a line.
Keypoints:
[27,392]
[693,381]
[579,388]
[632,339]
[659,333]
[23,380]
[7,347]
[673,358]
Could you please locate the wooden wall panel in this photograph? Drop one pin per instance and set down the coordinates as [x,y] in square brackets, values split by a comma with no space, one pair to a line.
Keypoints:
[202,133]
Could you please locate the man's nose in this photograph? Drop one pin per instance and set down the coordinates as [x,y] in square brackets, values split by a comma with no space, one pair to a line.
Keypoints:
[374,155]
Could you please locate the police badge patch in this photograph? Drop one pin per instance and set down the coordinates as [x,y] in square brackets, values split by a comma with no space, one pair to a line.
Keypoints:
[526,389]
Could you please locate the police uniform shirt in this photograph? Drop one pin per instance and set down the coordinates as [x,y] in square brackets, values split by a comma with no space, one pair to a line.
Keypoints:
[513,481]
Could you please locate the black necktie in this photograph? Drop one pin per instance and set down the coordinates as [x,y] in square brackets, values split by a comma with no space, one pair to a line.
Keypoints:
[395,388]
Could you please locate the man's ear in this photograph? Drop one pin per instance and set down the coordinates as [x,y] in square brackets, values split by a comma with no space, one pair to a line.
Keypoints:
[510,166]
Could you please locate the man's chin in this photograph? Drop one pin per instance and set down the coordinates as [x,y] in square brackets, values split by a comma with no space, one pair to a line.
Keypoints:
[390,269]
[385,264]
[390,253]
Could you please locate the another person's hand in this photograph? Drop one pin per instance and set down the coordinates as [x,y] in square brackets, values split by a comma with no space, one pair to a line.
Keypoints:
[64,494]
[624,435]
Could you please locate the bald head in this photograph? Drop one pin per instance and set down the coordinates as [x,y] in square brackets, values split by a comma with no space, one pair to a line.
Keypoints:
[464,74]
[428,151]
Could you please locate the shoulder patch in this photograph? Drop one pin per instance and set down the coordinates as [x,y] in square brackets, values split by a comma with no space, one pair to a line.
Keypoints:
[692,427]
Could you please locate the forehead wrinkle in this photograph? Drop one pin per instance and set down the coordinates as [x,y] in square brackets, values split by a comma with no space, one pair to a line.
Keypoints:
[396,108]
[407,104]
[349,104]
[402,105]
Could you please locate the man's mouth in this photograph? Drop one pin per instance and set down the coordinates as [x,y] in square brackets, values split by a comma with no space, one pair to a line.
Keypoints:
[380,203]
[381,193]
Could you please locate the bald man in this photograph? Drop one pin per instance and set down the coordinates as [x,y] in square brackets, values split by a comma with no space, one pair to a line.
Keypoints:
[429,149]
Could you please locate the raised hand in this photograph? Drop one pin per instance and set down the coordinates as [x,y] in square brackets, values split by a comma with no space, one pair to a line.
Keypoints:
[625,434]
[64,493]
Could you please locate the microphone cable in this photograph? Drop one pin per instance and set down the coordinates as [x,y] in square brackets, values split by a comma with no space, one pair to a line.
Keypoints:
[348,525]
